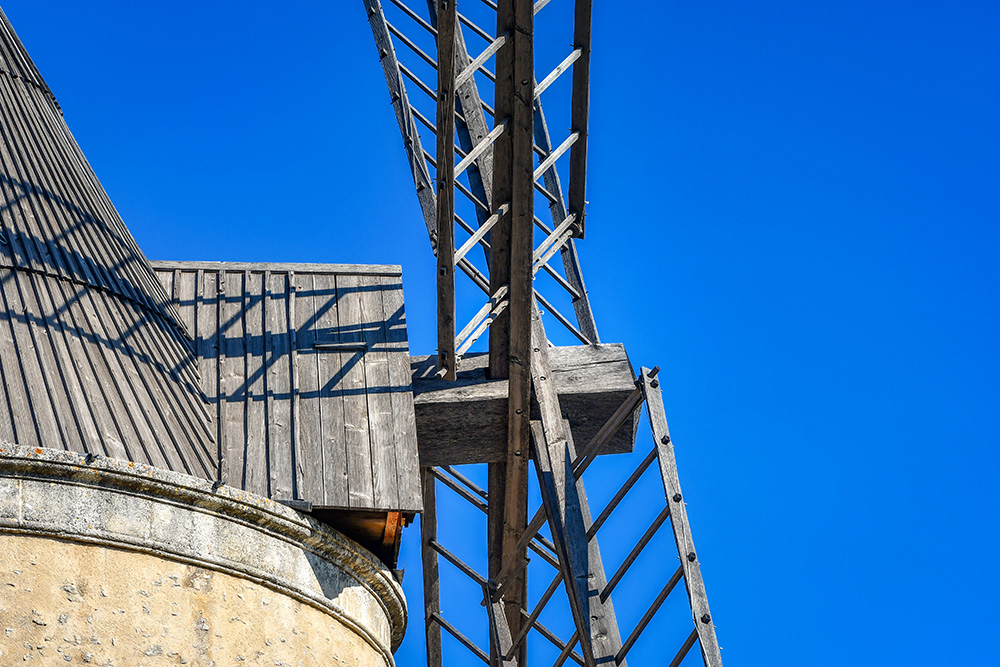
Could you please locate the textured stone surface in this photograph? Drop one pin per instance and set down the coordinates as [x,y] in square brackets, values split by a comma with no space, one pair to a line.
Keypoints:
[100,550]
[67,602]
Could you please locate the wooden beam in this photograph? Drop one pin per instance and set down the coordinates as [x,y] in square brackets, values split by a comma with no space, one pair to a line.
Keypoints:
[432,594]
[404,116]
[557,209]
[465,421]
[447,19]
[499,261]
[568,512]
[580,112]
[472,126]
[679,522]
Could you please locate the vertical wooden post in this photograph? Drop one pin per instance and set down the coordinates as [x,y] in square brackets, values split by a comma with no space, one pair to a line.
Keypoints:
[499,331]
[432,594]
[447,18]
[510,264]
[580,107]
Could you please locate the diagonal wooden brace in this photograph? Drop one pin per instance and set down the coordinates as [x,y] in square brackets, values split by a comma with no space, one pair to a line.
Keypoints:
[565,502]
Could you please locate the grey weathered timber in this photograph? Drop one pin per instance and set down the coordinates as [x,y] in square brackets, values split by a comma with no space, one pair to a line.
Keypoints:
[93,357]
[353,385]
[592,381]
[404,117]
[307,373]
[501,481]
[472,126]
[580,106]
[501,645]
[432,584]
[515,509]
[679,522]
[445,182]
[557,209]
[568,513]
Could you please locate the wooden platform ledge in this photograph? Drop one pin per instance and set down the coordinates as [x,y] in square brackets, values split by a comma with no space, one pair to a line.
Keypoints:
[465,421]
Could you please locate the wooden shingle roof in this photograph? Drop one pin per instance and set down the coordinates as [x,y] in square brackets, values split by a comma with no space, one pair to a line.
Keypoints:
[91,358]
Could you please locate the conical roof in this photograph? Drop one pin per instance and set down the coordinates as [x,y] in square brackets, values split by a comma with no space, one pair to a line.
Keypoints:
[91,357]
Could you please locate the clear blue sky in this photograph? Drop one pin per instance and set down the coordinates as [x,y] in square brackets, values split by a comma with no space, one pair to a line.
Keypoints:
[794,211]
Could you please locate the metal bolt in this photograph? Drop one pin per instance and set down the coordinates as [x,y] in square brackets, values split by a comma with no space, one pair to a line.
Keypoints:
[692,557]
[705,618]
[517,452]
[518,411]
[677,497]
[665,440]
[654,383]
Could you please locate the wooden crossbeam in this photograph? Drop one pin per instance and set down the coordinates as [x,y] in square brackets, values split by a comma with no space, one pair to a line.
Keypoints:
[552,243]
[475,328]
[480,60]
[479,148]
[551,158]
[558,71]
[679,522]
[483,230]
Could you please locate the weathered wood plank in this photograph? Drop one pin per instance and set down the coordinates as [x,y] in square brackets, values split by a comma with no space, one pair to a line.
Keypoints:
[61,392]
[155,435]
[89,408]
[117,429]
[404,427]
[281,478]
[44,429]
[592,382]
[232,391]
[356,425]
[309,421]
[333,392]
[207,347]
[378,388]
[256,463]
[499,276]
[521,297]
[184,300]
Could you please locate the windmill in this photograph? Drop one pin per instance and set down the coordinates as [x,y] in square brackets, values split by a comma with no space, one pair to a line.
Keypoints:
[492,166]
[264,427]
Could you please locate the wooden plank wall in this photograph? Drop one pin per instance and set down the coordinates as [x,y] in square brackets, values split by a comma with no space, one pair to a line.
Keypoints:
[332,426]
